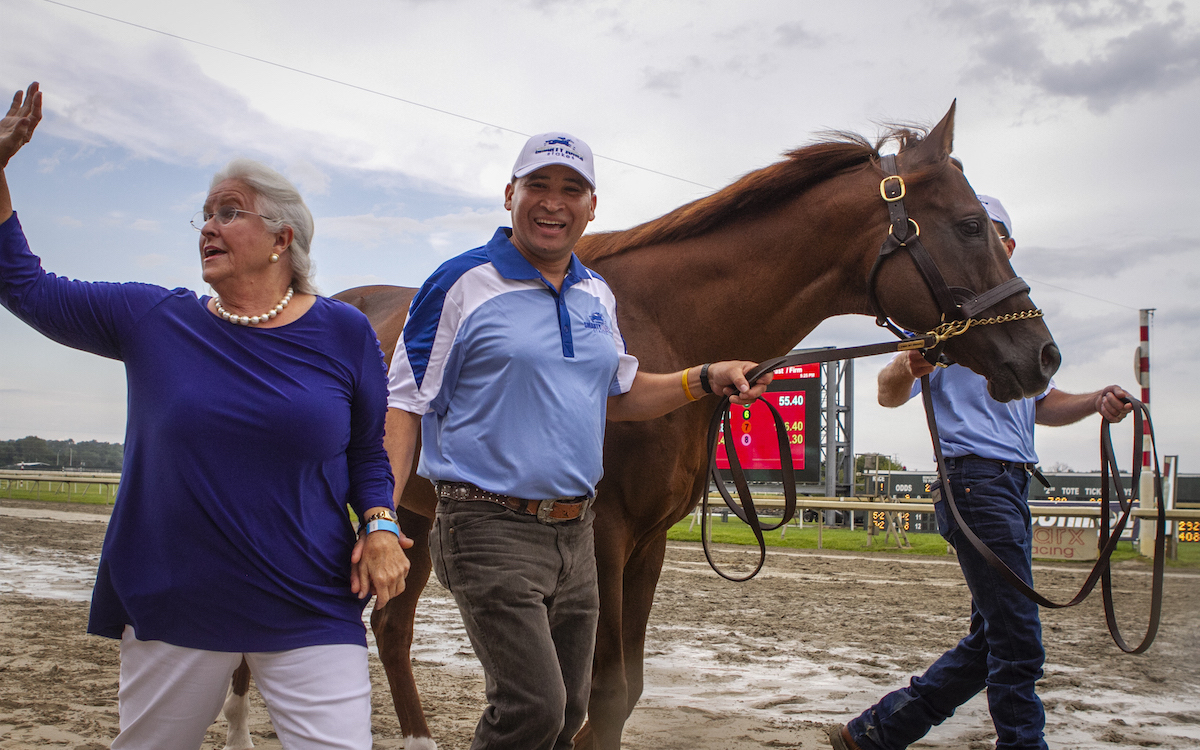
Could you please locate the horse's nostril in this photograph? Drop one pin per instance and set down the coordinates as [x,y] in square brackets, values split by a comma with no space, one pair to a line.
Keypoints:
[1051,359]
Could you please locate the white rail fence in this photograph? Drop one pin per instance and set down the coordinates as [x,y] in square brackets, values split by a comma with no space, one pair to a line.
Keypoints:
[77,484]
[891,508]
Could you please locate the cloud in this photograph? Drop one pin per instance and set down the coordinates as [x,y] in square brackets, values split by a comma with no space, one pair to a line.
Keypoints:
[308,177]
[1156,58]
[50,163]
[1104,54]
[1106,259]
[107,166]
[1085,14]
[133,101]
[368,230]
[797,35]
[665,82]
[443,233]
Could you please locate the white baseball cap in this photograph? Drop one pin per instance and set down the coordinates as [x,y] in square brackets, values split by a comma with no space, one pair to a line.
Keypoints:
[995,211]
[556,148]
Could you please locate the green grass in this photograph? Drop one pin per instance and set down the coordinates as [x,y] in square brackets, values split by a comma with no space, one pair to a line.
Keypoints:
[56,491]
[1188,556]
[736,532]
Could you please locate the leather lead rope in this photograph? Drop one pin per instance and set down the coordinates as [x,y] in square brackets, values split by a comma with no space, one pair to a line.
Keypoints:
[1109,469]
[1108,539]
[743,507]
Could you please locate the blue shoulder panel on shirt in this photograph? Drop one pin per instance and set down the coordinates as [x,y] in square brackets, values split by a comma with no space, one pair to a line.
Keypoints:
[421,328]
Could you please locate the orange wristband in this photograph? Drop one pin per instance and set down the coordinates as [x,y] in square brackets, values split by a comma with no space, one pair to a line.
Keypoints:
[688,391]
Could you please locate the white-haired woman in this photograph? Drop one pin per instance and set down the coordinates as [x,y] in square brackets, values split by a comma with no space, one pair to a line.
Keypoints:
[255,417]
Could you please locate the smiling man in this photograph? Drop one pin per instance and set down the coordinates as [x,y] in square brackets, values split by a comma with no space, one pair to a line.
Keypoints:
[509,365]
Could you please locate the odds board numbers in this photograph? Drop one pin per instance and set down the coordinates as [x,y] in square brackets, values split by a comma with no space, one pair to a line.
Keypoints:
[1189,531]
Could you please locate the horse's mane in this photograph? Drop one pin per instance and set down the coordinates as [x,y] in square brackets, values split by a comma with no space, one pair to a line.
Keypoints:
[761,190]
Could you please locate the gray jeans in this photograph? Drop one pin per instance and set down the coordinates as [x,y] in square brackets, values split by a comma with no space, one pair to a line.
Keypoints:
[528,597]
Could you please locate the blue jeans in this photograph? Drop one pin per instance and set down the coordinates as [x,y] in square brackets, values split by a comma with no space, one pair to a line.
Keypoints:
[1003,650]
[528,596]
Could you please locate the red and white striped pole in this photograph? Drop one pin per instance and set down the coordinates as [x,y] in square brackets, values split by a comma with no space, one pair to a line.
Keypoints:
[1145,490]
[1143,373]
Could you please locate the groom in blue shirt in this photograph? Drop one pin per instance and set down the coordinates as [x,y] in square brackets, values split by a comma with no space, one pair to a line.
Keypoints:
[990,454]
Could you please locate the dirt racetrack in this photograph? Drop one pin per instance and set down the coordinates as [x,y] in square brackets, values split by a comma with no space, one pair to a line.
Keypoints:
[764,664]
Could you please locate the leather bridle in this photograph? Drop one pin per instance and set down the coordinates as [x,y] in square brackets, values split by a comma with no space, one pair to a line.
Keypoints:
[959,306]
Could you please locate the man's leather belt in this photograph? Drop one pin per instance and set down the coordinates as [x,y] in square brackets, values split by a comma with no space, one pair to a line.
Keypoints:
[553,510]
[1030,468]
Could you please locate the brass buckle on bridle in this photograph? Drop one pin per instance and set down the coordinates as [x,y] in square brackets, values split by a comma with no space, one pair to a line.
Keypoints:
[883,188]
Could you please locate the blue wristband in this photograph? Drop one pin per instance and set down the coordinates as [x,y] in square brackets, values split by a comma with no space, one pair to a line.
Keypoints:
[383,524]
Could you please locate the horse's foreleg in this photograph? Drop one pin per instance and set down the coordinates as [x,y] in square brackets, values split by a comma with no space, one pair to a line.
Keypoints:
[237,710]
[627,584]
[393,627]
[606,704]
[617,676]
[640,582]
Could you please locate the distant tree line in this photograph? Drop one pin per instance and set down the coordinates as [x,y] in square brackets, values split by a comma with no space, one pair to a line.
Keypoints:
[91,455]
[876,462]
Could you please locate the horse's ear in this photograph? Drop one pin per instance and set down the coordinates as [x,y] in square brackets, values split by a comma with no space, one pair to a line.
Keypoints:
[943,133]
[938,144]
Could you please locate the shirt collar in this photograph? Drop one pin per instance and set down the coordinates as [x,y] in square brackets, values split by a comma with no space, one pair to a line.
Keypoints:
[508,260]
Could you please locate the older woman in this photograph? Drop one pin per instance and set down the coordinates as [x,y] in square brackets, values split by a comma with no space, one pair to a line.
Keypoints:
[255,417]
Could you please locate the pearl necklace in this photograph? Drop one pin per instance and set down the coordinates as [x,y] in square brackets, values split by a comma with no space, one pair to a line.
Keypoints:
[242,320]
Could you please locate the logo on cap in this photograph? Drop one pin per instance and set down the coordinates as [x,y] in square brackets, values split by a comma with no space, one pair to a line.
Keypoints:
[556,148]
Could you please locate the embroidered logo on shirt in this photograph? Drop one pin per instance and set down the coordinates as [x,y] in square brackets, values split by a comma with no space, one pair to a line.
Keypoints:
[596,322]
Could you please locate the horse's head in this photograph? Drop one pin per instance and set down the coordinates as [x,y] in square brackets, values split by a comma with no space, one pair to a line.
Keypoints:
[1016,357]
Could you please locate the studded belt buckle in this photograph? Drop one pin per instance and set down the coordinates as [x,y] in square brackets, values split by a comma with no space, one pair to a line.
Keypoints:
[545,507]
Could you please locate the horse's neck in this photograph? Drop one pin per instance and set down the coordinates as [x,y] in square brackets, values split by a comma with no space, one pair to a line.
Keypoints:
[748,291]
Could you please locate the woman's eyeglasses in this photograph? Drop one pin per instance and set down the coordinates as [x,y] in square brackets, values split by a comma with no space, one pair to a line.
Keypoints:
[223,215]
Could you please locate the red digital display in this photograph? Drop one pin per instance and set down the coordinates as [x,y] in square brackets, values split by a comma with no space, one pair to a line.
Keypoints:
[794,392]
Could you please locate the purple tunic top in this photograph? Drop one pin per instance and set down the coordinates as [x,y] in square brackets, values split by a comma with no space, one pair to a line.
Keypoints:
[243,447]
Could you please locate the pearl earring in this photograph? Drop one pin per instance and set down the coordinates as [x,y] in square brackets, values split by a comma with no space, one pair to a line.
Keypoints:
[274,258]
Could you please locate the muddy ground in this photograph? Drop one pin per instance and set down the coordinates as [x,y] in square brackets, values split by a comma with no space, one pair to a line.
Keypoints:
[765,664]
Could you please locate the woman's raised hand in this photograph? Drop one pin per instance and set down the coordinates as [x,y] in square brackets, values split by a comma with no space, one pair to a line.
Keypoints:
[18,125]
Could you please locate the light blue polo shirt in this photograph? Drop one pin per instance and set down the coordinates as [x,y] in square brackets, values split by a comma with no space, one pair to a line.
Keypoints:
[512,378]
[970,421]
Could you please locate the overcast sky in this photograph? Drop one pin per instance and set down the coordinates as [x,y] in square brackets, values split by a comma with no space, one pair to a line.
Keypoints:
[400,121]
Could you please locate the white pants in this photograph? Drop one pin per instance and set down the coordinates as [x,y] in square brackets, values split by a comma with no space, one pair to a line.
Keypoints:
[317,697]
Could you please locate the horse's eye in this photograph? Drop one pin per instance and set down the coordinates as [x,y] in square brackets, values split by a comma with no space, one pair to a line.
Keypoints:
[971,227]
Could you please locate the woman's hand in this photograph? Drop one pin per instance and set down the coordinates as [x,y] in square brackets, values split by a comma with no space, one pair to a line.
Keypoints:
[378,565]
[18,125]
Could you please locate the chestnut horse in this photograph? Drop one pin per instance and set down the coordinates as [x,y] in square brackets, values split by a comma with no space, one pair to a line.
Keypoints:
[745,273]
